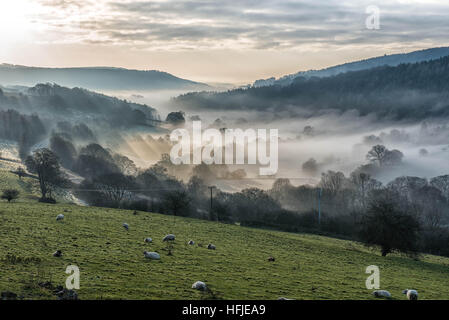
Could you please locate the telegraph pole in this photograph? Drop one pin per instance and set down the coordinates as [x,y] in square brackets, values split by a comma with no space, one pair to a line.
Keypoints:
[210,212]
[320,191]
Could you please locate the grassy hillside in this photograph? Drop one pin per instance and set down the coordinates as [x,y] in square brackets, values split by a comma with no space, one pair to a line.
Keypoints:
[28,187]
[112,265]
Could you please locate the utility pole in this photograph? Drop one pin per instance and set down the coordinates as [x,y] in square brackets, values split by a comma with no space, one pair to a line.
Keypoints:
[210,212]
[320,191]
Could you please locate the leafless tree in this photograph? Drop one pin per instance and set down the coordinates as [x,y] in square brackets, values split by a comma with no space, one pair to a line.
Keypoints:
[332,181]
[442,184]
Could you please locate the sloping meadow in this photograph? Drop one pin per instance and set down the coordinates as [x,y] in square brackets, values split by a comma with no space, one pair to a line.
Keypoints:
[112,264]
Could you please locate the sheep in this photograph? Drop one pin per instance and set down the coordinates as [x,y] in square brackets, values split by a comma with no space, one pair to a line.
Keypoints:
[57,253]
[152,255]
[199,285]
[411,294]
[271,259]
[148,240]
[126,226]
[210,246]
[8,295]
[66,294]
[382,293]
[169,237]
[191,242]
[59,217]
[283,298]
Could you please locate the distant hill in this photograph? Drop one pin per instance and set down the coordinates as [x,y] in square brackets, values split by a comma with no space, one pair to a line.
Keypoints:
[404,92]
[386,60]
[52,100]
[96,78]
[28,115]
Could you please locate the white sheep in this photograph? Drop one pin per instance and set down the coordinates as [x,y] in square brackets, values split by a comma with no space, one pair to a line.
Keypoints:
[169,237]
[126,226]
[382,293]
[191,242]
[411,294]
[148,240]
[59,217]
[152,255]
[199,285]
[210,246]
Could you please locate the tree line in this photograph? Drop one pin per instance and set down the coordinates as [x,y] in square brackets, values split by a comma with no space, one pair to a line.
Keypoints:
[408,214]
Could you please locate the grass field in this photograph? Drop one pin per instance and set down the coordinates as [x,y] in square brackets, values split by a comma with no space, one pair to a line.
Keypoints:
[112,264]
[28,187]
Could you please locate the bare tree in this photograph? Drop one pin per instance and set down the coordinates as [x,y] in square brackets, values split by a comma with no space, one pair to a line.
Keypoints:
[45,164]
[332,181]
[407,186]
[377,154]
[383,156]
[363,184]
[114,187]
[126,165]
[442,184]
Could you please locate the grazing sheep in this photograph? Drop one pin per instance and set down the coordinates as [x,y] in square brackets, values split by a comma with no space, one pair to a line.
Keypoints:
[382,293]
[152,255]
[199,285]
[169,237]
[191,242]
[283,298]
[66,294]
[411,294]
[60,217]
[148,240]
[8,295]
[57,253]
[271,259]
[210,246]
[126,226]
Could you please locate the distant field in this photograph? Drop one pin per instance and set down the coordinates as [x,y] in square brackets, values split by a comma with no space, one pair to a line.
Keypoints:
[112,264]
[28,187]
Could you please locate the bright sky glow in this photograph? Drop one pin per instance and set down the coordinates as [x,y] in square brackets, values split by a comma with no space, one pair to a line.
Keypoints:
[223,41]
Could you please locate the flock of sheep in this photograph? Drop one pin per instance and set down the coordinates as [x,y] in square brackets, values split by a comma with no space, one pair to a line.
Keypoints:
[199,285]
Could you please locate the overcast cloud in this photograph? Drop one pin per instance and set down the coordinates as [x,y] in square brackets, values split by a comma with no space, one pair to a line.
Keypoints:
[250,31]
[251,24]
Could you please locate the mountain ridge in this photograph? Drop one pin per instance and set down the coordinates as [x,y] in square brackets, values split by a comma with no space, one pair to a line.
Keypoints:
[96,78]
[364,64]
[412,91]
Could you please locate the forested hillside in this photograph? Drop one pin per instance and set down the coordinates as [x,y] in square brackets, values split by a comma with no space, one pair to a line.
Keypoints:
[408,91]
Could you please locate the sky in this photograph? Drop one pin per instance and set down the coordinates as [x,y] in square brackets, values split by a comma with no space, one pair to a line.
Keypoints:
[215,41]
